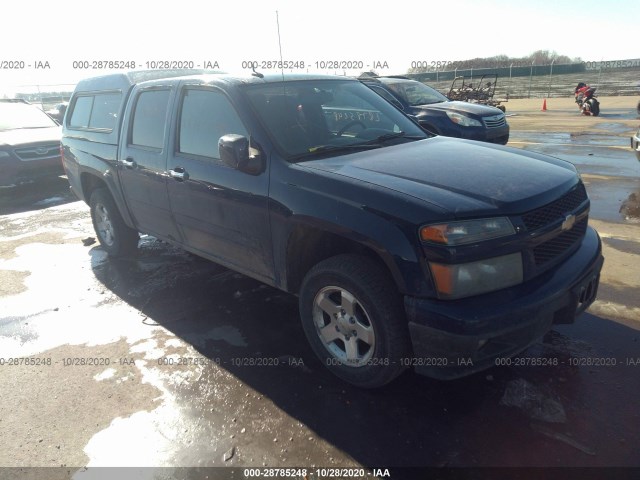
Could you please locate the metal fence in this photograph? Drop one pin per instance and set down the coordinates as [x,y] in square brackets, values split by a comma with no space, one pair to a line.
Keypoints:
[539,81]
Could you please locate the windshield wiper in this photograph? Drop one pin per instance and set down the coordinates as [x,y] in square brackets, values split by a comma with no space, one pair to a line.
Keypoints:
[390,136]
[369,144]
[335,148]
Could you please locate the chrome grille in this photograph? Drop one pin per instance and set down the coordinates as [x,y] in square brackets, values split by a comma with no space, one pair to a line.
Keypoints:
[556,210]
[38,152]
[495,121]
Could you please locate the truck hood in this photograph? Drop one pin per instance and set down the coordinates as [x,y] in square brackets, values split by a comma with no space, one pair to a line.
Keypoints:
[464,177]
[460,107]
[25,136]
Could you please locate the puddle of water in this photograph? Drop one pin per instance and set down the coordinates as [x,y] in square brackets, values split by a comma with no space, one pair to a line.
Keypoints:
[108,373]
[607,161]
[630,208]
[17,328]
[62,312]
[143,439]
[556,139]
[541,137]
[613,199]
[30,223]
[226,333]
[153,438]
[49,201]
[613,127]
[594,139]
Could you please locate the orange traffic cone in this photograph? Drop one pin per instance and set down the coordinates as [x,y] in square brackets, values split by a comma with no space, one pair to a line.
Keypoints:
[544,105]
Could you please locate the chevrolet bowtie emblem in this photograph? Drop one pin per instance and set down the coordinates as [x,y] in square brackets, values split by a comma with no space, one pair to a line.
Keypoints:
[41,150]
[569,222]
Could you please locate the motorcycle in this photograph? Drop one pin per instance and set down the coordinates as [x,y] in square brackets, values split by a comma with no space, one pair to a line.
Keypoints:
[586,99]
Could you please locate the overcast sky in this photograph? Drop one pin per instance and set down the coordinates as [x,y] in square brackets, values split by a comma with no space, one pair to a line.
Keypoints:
[397,32]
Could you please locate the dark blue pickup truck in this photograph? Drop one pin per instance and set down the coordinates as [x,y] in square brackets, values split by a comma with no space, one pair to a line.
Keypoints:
[406,250]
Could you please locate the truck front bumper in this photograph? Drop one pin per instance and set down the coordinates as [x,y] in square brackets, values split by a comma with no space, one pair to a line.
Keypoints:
[452,339]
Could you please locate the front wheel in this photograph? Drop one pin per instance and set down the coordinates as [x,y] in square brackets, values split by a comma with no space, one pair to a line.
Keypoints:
[114,235]
[594,107]
[353,317]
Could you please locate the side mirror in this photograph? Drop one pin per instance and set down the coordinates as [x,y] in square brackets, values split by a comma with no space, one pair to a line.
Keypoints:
[236,153]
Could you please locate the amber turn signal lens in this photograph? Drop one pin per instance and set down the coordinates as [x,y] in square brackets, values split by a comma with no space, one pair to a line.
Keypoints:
[434,233]
[443,276]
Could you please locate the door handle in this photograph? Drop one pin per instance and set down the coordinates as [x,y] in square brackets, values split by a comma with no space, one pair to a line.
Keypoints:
[128,162]
[179,174]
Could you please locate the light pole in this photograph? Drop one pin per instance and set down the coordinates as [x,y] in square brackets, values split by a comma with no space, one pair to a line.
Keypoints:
[509,89]
[530,77]
[550,72]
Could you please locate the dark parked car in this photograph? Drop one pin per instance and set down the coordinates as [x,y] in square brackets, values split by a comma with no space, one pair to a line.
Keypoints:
[635,143]
[437,114]
[29,144]
[405,251]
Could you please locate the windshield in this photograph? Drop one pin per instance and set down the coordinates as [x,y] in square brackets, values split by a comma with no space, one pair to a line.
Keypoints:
[307,118]
[416,93]
[22,115]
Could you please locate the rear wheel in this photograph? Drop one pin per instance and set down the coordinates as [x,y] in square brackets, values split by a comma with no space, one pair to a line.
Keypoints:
[114,235]
[353,318]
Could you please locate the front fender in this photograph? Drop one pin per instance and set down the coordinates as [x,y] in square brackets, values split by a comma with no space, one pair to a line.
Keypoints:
[311,202]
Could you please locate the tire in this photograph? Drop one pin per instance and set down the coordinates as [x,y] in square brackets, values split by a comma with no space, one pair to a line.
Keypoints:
[595,107]
[352,293]
[113,234]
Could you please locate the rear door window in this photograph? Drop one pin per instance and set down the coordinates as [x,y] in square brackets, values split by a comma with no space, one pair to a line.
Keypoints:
[149,119]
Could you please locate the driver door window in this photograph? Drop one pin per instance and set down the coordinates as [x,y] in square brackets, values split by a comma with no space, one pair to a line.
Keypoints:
[206,116]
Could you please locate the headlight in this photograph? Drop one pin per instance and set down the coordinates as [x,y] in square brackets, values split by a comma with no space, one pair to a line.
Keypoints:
[467,279]
[467,231]
[463,120]
[4,154]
